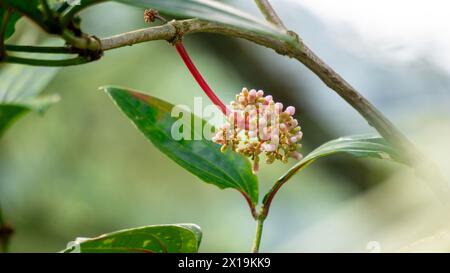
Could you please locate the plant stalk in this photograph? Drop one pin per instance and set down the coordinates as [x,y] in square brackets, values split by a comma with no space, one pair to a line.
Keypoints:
[42,49]
[269,13]
[50,63]
[258,234]
[199,78]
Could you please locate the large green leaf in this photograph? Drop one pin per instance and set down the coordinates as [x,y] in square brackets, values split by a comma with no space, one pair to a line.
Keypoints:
[200,157]
[19,90]
[210,10]
[358,146]
[181,238]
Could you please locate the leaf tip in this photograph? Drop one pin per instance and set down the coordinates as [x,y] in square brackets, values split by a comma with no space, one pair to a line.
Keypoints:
[106,88]
[195,229]
[114,90]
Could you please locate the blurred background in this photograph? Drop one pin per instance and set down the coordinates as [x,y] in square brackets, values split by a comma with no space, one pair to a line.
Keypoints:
[83,169]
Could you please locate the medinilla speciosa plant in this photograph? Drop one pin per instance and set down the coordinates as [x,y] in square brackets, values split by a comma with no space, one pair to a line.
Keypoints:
[256,129]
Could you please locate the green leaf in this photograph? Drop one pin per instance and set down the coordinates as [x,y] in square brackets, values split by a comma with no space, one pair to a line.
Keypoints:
[9,112]
[30,8]
[202,158]
[181,238]
[19,89]
[212,11]
[10,28]
[358,146]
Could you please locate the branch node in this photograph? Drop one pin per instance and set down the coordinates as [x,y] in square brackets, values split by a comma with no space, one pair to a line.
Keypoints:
[178,36]
[294,35]
[92,52]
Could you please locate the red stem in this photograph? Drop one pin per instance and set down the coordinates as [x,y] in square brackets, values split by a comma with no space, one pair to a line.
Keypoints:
[198,77]
[250,204]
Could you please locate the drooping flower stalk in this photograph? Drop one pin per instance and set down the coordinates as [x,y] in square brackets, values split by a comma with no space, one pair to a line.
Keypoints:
[149,16]
[199,78]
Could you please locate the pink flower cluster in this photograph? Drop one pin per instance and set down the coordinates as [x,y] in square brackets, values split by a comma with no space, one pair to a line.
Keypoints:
[257,124]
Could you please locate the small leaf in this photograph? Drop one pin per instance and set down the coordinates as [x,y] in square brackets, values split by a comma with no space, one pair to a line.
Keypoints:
[214,11]
[10,28]
[30,8]
[358,146]
[9,112]
[202,158]
[181,238]
[19,89]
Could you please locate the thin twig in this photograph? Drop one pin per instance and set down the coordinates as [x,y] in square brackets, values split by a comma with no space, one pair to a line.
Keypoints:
[42,49]
[269,13]
[52,63]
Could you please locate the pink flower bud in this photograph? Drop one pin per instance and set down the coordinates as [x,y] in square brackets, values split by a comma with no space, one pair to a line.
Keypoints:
[268,147]
[279,107]
[275,139]
[260,94]
[252,133]
[263,135]
[262,122]
[252,95]
[253,113]
[290,110]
